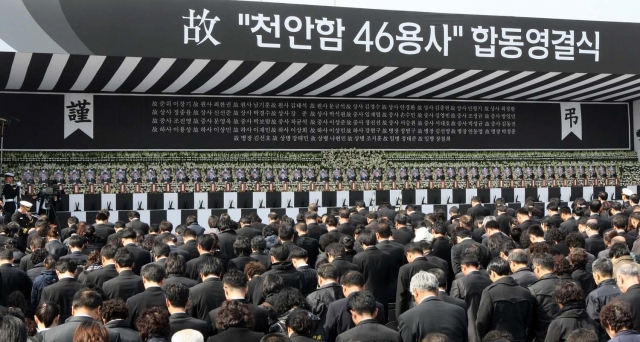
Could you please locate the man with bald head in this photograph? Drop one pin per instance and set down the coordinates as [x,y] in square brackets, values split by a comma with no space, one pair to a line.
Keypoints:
[614,240]
[594,243]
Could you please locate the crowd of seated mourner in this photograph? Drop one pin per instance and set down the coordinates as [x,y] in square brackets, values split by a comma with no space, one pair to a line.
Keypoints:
[393,274]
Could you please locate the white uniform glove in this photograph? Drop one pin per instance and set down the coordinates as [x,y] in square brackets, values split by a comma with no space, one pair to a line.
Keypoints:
[18,184]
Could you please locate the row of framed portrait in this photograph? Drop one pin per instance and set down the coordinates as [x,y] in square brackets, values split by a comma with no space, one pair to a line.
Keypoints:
[211,175]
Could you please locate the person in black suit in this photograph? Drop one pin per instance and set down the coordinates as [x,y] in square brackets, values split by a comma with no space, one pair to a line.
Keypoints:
[126,284]
[627,281]
[415,216]
[177,299]
[386,210]
[246,229]
[505,305]
[332,231]
[209,294]
[102,229]
[521,273]
[226,237]
[76,245]
[235,289]
[282,267]
[451,319]
[335,256]
[159,253]
[603,223]
[372,221]
[175,268]
[543,290]
[234,323]
[463,237]
[141,256]
[72,223]
[313,228]
[469,288]
[338,318]
[114,314]
[395,250]
[441,245]
[554,214]
[569,225]
[12,278]
[258,246]
[166,228]
[86,308]
[309,278]
[503,219]
[135,223]
[152,278]
[63,291]
[417,263]
[328,292]
[594,243]
[307,243]
[374,265]
[241,248]
[190,244]
[108,270]
[363,312]
[299,326]
[477,210]
[192,223]
[442,288]
[344,226]
[524,218]
[115,239]
[207,245]
[256,222]
[401,233]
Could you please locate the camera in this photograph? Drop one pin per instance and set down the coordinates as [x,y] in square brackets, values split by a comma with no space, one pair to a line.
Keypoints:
[48,192]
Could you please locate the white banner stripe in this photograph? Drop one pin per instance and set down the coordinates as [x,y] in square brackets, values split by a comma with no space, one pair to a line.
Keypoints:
[608,90]
[192,71]
[54,70]
[4,47]
[338,81]
[407,75]
[379,74]
[320,73]
[88,72]
[518,87]
[497,85]
[18,70]
[220,76]
[628,91]
[258,71]
[158,71]
[473,84]
[447,83]
[420,83]
[291,71]
[573,86]
[546,86]
[126,68]
[597,86]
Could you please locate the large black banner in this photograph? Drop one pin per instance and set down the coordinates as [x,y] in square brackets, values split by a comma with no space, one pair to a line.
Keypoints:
[95,122]
[240,30]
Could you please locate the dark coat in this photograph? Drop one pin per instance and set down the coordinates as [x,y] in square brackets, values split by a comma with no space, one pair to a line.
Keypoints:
[290,276]
[205,297]
[506,306]
[339,318]
[62,294]
[13,279]
[524,277]
[56,248]
[45,279]
[178,279]
[632,296]
[346,228]
[458,250]
[626,336]
[594,244]
[310,245]
[469,288]
[248,232]
[321,298]
[451,321]
[263,258]
[309,279]
[546,307]
[584,279]
[182,321]
[606,291]
[260,317]
[193,265]
[239,263]
[176,250]
[237,334]
[79,257]
[125,285]
[99,277]
[150,297]
[190,247]
[300,338]
[376,269]
[443,296]
[441,247]
[197,228]
[122,328]
[603,223]
[64,332]
[396,251]
[406,272]
[570,318]
[227,238]
[369,330]
[478,211]
[35,271]
[315,230]
[343,266]
[103,231]
[401,236]
[136,224]
[141,257]
[504,220]
[569,226]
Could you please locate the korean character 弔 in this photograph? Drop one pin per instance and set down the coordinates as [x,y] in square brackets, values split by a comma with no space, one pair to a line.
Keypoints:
[511,38]
[294,24]
[481,35]
[326,28]
[584,42]
[534,37]
[264,23]
[408,38]
[564,52]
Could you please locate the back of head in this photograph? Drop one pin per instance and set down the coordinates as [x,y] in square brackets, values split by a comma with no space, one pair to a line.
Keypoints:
[235,280]
[166,226]
[603,267]
[275,337]
[177,294]
[424,282]
[46,312]
[300,322]
[12,328]
[175,264]
[353,278]
[544,261]
[153,322]
[187,335]
[497,336]
[66,266]
[519,256]
[114,309]
[435,337]
[124,258]
[242,246]
[153,273]
[86,299]
[568,293]
[234,314]
[207,242]
[367,237]
[211,266]
[582,335]
[362,302]
[335,250]
[280,253]
[499,266]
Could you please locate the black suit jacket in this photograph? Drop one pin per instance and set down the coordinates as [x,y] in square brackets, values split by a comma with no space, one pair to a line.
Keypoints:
[99,277]
[603,223]
[443,296]
[179,251]
[260,317]
[103,231]
[469,288]
[78,257]
[263,258]
[138,225]
[64,332]
[403,294]
[153,296]
[310,245]
[288,273]
[205,297]
[314,231]
[125,285]
[401,236]
[594,244]
[504,221]
[236,334]
[451,321]
[339,318]
[458,250]
[141,257]
[569,226]
[62,294]
[177,279]
[13,279]
[239,263]
[190,247]
[182,321]
[123,329]
[368,330]
[478,211]
[376,269]
[227,238]
[346,228]
[396,251]
[343,266]
[632,296]
[248,232]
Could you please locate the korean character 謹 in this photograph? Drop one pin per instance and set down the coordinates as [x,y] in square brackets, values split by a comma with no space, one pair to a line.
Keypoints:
[482,35]
[567,39]
[538,37]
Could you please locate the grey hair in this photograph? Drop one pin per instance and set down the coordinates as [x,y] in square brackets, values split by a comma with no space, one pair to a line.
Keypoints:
[603,266]
[519,256]
[627,270]
[187,335]
[424,281]
[487,219]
